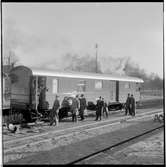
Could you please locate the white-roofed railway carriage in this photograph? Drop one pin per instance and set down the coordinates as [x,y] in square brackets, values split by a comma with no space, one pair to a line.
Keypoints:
[39,87]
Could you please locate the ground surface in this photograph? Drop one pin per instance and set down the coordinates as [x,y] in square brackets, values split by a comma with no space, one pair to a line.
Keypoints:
[148,151]
[58,142]
[66,123]
[66,154]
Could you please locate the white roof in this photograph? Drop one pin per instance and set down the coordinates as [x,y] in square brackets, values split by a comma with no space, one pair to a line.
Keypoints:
[85,75]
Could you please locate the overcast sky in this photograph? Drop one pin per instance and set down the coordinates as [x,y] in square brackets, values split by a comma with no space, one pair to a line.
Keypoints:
[47,30]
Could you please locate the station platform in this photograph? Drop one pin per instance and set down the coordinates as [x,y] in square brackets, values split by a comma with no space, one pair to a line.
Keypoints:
[42,127]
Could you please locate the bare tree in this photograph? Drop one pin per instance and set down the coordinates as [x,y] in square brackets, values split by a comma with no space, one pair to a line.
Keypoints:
[11,59]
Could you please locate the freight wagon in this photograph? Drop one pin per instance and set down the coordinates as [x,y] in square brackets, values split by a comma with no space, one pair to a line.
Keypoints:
[37,88]
[16,94]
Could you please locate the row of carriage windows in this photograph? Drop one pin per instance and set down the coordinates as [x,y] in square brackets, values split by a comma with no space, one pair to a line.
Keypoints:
[81,85]
[128,86]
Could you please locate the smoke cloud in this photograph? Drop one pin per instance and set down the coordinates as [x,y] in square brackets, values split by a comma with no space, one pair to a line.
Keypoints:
[113,65]
[151,81]
[17,43]
[30,50]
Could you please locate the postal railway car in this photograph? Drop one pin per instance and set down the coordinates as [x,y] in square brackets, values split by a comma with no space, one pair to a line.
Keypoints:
[37,88]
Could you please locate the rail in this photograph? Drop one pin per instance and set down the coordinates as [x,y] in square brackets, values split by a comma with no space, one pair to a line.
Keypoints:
[113,146]
[81,126]
[36,139]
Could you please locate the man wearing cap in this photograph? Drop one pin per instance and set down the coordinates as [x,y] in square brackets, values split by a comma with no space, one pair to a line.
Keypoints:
[105,107]
[99,107]
[132,105]
[74,108]
[82,106]
[54,111]
[97,112]
[127,106]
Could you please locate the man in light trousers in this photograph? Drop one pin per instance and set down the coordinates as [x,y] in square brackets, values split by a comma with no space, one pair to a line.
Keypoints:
[54,112]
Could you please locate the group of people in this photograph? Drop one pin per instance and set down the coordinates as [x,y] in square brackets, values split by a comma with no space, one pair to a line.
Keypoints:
[130,105]
[101,107]
[77,107]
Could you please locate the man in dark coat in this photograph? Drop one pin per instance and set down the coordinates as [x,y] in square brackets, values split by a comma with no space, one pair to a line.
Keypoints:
[97,112]
[54,111]
[127,107]
[99,107]
[132,102]
[82,106]
[65,108]
[74,108]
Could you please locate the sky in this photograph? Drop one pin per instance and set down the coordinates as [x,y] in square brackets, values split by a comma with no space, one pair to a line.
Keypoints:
[40,33]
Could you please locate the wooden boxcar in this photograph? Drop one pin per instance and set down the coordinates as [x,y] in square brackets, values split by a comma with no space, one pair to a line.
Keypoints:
[113,88]
[16,93]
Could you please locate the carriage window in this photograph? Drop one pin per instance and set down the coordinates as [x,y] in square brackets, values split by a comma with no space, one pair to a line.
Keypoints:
[81,86]
[55,86]
[138,87]
[98,84]
[127,85]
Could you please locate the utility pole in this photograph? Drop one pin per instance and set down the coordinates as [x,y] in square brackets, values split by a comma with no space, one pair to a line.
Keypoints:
[9,58]
[96,47]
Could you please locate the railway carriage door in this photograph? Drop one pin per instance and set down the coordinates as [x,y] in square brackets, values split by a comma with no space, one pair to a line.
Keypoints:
[42,92]
[112,91]
[117,90]
[52,90]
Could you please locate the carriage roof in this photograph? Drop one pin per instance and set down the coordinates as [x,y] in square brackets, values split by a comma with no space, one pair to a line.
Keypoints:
[85,75]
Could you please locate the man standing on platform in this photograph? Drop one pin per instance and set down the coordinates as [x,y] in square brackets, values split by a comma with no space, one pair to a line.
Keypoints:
[54,111]
[132,102]
[105,108]
[99,107]
[74,108]
[82,106]
[127,107]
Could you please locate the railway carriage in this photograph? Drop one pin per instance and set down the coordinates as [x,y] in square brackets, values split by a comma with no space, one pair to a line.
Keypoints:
[113,88]
[36,89]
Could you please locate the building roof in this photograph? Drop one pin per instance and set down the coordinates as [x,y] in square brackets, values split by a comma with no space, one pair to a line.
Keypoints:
[85,75]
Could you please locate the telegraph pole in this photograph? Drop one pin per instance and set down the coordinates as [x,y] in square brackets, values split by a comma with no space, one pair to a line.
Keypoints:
[9,58]
[96,47]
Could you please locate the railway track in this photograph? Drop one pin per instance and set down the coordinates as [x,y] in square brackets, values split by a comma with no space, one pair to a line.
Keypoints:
[25,137]
[30,141]
[90,156]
